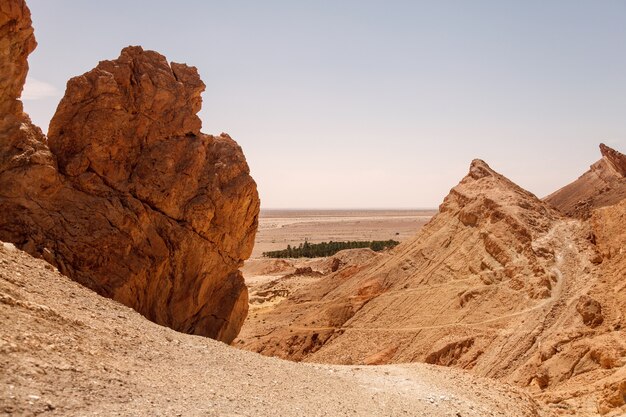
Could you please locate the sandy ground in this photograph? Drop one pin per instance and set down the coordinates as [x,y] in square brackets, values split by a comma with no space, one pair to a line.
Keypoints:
[66,351]
[279,228]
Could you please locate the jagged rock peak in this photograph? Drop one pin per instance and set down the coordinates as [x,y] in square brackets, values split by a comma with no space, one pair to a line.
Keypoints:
[484,180]
[604,184]
[133,201]
[123,106]
[616,159]
[480,169]
[484,194]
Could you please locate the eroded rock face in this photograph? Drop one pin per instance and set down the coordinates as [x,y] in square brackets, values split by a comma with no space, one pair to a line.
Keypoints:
[487,255]
[604,184]
[590,310]
[17,41]
[130,199]
[20,141]
[123,107]
[492,284]
[616,159]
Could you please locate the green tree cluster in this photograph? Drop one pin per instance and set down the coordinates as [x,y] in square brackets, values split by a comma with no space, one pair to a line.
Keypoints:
[317,250]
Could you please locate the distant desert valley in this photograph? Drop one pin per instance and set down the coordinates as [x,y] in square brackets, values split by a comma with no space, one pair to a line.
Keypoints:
[139,275]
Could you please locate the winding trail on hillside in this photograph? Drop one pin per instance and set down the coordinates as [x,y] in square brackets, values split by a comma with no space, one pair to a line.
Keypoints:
[558,237]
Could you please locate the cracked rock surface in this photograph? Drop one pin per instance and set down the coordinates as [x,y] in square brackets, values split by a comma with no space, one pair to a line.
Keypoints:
[126,195]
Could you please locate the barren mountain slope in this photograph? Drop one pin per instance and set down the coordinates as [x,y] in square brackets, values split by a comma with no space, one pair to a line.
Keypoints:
[498,282]
[603,185]
[609,226]
[66,351]
[129,198]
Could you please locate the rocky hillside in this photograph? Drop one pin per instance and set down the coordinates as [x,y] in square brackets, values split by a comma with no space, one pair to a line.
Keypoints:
[126,195]
[499,283]
[65,351]
[603,185]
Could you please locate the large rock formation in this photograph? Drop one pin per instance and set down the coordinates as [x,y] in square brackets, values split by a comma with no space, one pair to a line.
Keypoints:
[129,199]
[603,185]
[17,41]
[498,282]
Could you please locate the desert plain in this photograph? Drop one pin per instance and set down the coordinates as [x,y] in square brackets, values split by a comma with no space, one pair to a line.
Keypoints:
[281,227]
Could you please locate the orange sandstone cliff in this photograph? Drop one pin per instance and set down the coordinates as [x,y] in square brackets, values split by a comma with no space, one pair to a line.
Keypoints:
[126,195]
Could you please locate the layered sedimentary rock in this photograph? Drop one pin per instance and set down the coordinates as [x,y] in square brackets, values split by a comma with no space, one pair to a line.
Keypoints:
[130,198]
[499,283]
[473,261]
[604,184]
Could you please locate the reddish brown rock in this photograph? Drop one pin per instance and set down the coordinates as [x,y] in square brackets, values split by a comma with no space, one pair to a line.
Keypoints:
[124,107]
[590,310]
[613,396]
[616,159]
[133,201]
[20,141]
[17,41]
[22,145]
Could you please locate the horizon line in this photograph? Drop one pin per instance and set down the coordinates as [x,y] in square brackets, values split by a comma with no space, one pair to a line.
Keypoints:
[353,208]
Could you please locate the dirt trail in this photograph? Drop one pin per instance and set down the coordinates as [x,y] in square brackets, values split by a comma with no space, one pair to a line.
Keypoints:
[558,236]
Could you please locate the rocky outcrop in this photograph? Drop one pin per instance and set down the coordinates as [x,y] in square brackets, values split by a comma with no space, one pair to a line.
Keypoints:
[21,142]
[590,310]
[616,159]
[126,107]
[130,198]
[17,41]
[603,185]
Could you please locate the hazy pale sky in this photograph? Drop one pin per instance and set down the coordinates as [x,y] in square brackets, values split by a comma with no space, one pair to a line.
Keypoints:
[370,104]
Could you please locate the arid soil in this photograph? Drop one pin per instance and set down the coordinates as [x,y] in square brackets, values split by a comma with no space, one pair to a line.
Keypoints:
[498,282]
[66,351]
[279,228]
[271,281]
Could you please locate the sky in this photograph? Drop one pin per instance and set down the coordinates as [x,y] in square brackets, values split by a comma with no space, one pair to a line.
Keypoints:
[370,104]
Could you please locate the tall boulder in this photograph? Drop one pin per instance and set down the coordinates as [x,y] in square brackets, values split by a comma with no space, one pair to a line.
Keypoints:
[129,198]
